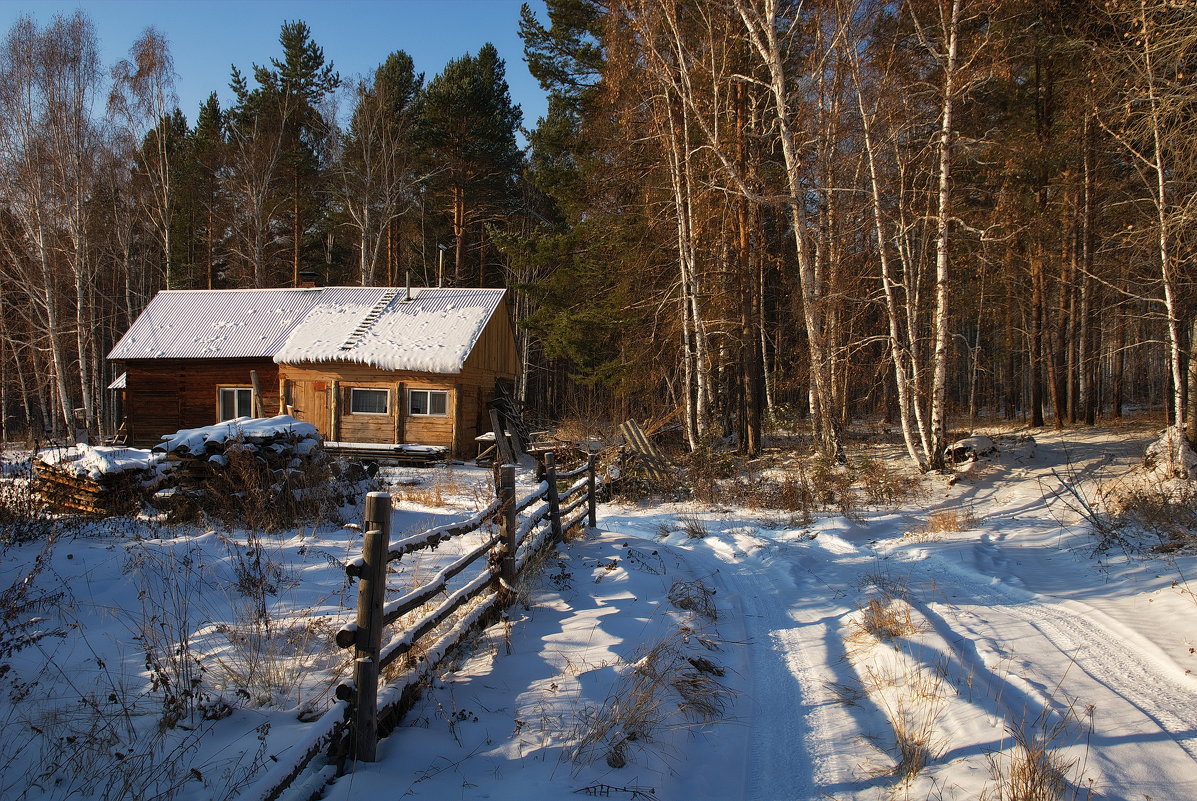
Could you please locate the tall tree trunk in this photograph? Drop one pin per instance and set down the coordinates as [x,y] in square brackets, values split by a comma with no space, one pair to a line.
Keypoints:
[1087,363]
[296,227]
[939,380]
[1117,398]
[1163,234]
[1035,373]
[762,25]
[1190,427]
[899,355]
[459,235]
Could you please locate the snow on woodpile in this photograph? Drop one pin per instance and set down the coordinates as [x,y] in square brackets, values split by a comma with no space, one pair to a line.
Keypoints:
[94,463]
[275,433]
[97,480]
[433,332]
[1171,454]
[260,472]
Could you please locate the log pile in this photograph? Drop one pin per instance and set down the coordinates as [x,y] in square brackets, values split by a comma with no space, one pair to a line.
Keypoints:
[106,481]
[96,481]
[231,469]
[279,443]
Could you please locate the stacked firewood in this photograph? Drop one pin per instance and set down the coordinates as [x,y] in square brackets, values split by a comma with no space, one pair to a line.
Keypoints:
[251,471]
[278,443]
[96,481]
[190,463]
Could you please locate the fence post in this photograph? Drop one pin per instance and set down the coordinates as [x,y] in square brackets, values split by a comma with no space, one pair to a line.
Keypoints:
[550,475]
[590,495]
[369,625]
[510,525]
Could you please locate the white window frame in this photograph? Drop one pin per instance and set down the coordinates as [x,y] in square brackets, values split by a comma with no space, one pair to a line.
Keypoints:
[238,411]
[427,393]
[386,406]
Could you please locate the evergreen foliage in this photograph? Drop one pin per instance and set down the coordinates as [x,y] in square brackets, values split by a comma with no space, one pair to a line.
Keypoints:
[927,211]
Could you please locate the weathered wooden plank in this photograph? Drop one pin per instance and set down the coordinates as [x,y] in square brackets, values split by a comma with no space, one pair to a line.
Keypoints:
[502,442]
[658,467]
[495,349]
[334,410]
[400,411]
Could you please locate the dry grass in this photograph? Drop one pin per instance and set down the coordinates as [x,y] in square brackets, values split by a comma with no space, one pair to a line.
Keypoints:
[942,523]
[885,486]
[694,526]
[915,718]
[884,617]
[694,596]
[912,697]
[1034,770]
[704,699]
[433,496]
[1167,512]
[662,529]
[434,492]
[23,515]
[913,701]
[644,702]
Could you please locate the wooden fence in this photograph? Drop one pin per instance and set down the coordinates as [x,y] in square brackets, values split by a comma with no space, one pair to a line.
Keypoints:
[515,531]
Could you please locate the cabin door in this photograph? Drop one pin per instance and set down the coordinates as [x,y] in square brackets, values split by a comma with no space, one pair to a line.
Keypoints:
[311,404]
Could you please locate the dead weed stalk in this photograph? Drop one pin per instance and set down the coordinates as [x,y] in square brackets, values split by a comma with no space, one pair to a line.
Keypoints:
[651,695]
[1034,769]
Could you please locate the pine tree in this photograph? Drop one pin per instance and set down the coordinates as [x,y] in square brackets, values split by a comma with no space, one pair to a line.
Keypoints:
[470,124]
[277,134]
[200,206]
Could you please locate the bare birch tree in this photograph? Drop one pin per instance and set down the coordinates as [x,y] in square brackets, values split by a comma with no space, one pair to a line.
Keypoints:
[1152,117]
[48,147]
[769,27]
[142,100]
[376,175]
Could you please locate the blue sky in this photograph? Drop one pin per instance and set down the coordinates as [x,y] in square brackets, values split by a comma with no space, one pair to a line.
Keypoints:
[208,36]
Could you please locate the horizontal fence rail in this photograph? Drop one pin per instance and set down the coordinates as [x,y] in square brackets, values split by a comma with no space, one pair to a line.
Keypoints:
[507,548]
[367,709]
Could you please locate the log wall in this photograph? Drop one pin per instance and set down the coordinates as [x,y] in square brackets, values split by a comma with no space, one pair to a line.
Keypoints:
[163,397]
[467,394]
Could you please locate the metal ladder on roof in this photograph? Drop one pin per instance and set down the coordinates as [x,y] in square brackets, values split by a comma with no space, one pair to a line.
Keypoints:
[369,320]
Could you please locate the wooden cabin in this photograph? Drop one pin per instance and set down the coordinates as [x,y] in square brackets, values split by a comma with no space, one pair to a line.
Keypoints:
[365,365]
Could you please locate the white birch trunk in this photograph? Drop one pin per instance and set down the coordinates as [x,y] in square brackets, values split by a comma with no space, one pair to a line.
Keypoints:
[898,354]
[939,432]
[761,21]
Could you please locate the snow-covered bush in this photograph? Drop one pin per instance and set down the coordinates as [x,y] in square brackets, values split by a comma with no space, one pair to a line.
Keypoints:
[1172,455]
[23,517]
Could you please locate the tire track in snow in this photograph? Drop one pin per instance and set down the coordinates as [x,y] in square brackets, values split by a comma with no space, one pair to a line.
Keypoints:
[787,739]
[1094,663]
[778,760]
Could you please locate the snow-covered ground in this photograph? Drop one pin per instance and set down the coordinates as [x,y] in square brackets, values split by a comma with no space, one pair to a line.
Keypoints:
[648,662]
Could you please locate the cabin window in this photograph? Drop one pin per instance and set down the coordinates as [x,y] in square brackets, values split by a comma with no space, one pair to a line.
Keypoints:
[428,402]
[236,402]
[368,401]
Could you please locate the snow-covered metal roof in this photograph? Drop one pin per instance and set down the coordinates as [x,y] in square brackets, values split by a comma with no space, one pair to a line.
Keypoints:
[432,332]
[215,324]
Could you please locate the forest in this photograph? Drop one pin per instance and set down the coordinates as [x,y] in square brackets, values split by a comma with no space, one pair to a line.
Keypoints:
[746,213]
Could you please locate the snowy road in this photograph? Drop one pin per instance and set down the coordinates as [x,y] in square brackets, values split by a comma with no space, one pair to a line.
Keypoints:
[1021,631]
